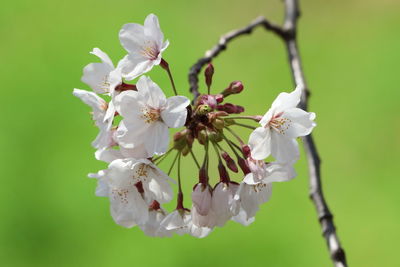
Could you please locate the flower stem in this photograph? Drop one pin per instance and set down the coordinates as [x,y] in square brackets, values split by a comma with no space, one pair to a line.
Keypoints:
[173,163]
[230,145]
[235,135]
[254,118]
[179,174]
[245,125]
[194,158]
[216,151]
[162,157]
[164,64]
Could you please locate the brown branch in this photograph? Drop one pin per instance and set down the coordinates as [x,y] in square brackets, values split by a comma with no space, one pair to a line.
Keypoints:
[222,45]
[288,34]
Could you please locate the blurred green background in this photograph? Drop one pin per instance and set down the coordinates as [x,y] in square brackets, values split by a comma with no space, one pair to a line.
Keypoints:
[49,213]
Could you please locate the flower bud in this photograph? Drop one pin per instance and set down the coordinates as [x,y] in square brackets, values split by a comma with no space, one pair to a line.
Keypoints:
[234,88]
[202,137]
[215,137]
[218,124]
[223,174]
[246,151]
[229,122]
[203,109]
[209,72]
[219,98]
[185,150]
[180,134]
[230,108]
[243,165]
[229,162]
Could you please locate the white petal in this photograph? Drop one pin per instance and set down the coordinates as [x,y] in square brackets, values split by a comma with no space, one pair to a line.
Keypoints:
[260,143]
[199,220]
[283,149]
[175,113]
[152,227]
[131,137]
[128,207]
[132,37]
[108,154]
[199,232]
[286,101]
[161,190]
[135,64]
[151,92]
[301,122]
[128,104]
[157,139]
[139,152]
[178,219]
[103,56]
[243,219]
[221,203]
[152,29]
[279,172]
[201,198]
[93,100]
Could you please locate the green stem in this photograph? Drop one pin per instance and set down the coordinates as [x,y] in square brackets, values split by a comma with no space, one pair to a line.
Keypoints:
[173,163]
[245,125]
[194,158]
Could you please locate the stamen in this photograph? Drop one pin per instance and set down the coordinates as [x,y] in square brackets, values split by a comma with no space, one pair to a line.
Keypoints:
[150,51]
[151,115]
[279,124]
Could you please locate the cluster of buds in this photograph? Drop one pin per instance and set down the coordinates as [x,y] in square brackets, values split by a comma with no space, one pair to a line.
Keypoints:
[134,121]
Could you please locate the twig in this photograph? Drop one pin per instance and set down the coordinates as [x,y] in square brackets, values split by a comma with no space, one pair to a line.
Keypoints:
[288,34]
[222,45]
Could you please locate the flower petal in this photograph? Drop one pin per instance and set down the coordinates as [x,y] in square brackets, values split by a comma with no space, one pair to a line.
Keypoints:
[260,143]
[157,139]
[133,65]
[287,100]
[301,122]
[175,113]
[151,93]
[132,37]
[284,150]
[152,30]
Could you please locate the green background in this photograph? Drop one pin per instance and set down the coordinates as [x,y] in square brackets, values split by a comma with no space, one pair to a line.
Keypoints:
[49,213]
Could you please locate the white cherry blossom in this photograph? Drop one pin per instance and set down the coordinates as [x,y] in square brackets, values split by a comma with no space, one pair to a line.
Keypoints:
[279,127]
[144,43]
[132,185]
[262,172]
[247,200]
[101,77]
[147,114]
[153,227]
[178,221]
[99,107]
[221,203]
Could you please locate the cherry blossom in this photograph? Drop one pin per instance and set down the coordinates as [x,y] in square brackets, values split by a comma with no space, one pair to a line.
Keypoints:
[101,77]
[145,44]
[279,127]
[131,185]
[147,114]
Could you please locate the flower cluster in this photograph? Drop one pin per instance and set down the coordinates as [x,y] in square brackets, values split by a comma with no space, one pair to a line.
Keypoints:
[134,121]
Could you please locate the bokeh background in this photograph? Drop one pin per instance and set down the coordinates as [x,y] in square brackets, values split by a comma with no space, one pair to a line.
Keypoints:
[49,213]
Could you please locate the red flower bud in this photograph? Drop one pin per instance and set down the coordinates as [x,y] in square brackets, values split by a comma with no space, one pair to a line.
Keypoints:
[243,165]
[229,162]
[234,88]
[223,174]
[209,72]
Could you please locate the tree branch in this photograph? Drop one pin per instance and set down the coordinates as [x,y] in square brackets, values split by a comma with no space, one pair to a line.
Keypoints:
[288,34]
[222,45]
